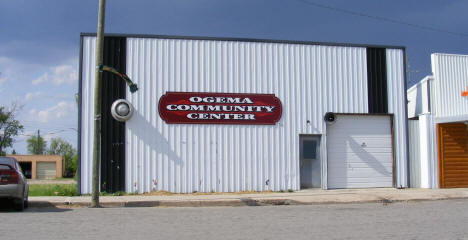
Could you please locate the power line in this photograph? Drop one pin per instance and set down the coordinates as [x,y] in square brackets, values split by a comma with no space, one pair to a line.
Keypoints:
[52,132]
[384,19]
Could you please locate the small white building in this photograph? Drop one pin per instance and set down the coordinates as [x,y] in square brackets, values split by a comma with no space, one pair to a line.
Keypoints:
[229,115]
[438,125]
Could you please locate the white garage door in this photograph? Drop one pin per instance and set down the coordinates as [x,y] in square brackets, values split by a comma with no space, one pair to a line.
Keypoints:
[359,150]
[46,170]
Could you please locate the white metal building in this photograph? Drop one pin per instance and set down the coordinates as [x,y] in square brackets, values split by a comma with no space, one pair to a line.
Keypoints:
[438,113]
[360,143]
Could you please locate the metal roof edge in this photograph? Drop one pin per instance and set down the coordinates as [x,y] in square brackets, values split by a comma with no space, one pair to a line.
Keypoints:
[425,79]
[449,54]
[243,40]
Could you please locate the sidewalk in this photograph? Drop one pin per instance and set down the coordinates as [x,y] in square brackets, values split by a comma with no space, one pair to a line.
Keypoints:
[303,197]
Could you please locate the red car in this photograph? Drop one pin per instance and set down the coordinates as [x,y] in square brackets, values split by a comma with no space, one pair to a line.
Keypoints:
[13,183]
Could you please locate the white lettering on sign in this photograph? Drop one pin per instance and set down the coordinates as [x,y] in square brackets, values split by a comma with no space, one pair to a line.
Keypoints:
[219,108]
[221,116]
[221,100]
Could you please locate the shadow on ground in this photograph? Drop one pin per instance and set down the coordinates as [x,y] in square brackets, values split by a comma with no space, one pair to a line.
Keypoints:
[6,205]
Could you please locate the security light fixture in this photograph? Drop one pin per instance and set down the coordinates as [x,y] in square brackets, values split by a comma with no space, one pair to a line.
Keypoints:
[122,110]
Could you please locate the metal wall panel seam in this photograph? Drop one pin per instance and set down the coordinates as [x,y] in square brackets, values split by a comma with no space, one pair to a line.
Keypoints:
[87,117]
[80,114]
[433,151]
[396,106]
[414,153]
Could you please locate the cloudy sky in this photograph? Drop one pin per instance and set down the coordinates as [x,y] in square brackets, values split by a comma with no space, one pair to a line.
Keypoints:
[39,40]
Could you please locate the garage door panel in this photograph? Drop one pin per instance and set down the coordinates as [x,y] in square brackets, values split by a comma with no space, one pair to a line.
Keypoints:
[355,153]
[361,180]
[46,170]
[361,156]
[364,131]
[359,166]
[364,183]
[374,127]
[453,154]
[363,138]
[456,164]
[368,143]
[358,141]
[360,153]
[454,182]
[356,164]
[363,173]
[369,121]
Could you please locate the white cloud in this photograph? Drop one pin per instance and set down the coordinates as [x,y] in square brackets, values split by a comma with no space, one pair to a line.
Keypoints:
[32,95]
[60,111]
[63,74]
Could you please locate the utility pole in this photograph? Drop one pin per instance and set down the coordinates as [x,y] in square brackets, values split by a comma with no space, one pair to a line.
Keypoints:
[97,104]
[37,141]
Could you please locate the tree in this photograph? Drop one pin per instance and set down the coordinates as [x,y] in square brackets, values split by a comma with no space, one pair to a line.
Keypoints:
[36,145]
[9,126]
[61,147]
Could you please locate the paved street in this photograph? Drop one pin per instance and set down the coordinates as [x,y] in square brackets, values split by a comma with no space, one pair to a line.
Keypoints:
[444,219]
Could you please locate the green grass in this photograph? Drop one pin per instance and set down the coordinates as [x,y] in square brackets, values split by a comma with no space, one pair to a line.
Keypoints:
[52,190]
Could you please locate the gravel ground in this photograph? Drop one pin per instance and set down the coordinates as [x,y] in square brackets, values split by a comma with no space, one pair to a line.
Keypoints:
[53,181]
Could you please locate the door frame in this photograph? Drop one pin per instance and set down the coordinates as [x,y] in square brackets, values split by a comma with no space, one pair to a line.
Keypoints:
[324,139]
[319,137]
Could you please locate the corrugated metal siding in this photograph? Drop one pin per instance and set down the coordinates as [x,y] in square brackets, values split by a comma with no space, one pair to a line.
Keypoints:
[309,80]
[451,78]
[87,112]
[414,153]
[423,152]
[419,98]
[428,146]
[397,105]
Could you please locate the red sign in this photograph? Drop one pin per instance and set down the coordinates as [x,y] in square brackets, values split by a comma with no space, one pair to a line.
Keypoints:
[219,108]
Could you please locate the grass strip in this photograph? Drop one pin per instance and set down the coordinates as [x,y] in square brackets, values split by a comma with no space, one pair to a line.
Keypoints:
[52,190]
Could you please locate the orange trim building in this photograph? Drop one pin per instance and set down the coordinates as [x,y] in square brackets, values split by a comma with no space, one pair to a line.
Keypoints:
[438,125]
[30,164]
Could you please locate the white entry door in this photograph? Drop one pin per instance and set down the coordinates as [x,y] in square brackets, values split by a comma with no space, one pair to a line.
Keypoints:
[359,152]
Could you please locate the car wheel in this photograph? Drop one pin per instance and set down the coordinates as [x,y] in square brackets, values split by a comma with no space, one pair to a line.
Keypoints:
[19,205]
